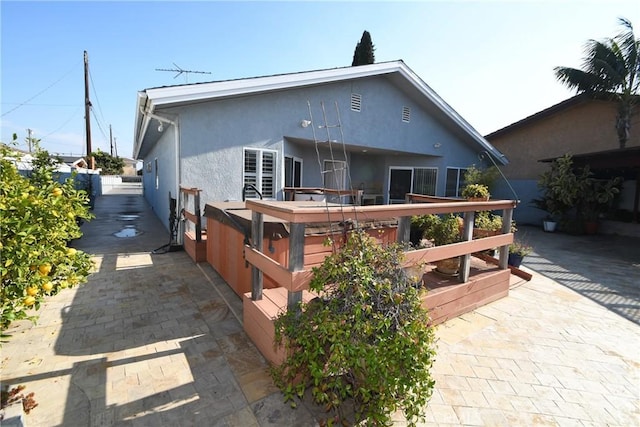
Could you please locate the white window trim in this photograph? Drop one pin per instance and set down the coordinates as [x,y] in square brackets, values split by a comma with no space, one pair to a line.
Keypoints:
[259,171]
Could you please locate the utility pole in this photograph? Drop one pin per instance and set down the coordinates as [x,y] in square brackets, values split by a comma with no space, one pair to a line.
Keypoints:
[29,139]
[115,147]
[111,140]
[87,111]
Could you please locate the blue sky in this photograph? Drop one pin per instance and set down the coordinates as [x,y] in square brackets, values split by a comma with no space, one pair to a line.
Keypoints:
[492,61]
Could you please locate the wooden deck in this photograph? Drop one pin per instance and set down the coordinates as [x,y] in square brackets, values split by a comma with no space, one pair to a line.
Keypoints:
[445,299]
[448,298]
[280,272]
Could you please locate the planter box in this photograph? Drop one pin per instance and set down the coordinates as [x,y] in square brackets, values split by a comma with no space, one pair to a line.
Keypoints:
[196,250]
[447,298]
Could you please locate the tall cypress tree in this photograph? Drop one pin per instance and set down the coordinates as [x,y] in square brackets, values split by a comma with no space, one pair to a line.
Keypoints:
[363,53]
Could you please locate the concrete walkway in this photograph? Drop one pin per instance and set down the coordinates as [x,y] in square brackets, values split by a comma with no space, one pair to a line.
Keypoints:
[156,340]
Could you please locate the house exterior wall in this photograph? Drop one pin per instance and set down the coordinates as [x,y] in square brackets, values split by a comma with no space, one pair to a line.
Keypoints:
[213,135]
[582,128]
[161,159]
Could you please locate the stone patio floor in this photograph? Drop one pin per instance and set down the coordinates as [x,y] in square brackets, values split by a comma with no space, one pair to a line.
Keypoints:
[157,340]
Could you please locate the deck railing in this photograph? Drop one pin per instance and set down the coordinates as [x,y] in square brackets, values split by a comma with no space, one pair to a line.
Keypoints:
[193,217]
[296,279]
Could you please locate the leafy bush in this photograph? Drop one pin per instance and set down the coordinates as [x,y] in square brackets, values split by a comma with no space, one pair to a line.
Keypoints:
[486,177]
[39,218]
[475,191]
[366,344]
[110,165]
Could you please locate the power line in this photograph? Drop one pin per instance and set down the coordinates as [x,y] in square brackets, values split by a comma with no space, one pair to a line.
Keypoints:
[39,105]
[98,123]
[39,93]
[96,96]
[75,113]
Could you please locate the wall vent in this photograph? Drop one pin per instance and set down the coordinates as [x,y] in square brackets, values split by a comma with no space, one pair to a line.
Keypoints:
[406,114]
[356,102]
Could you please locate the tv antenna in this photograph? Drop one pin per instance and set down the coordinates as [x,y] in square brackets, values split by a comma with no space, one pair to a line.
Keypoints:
[179,70]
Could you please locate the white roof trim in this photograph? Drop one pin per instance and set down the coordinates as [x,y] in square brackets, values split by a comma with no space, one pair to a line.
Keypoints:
[201,91]
[149,99]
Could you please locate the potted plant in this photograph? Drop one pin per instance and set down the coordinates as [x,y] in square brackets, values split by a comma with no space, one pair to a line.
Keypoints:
[549,222]
[486,224]
[595,199]
[560,188]
[517,251]
[476,192]
[439,231]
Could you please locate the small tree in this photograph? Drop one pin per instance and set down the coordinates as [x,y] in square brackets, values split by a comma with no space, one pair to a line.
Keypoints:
[39,218]
[367,340]
[110,165]
[611,69]
[363,53]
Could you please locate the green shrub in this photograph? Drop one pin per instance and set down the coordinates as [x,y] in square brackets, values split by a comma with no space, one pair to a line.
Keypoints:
[475,191]
[39,219]
[366,344]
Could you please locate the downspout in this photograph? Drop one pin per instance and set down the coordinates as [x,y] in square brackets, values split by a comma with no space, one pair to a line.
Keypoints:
[176,138]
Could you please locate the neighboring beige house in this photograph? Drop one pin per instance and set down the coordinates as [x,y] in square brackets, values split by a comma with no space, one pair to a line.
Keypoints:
[578,125]
[130,166]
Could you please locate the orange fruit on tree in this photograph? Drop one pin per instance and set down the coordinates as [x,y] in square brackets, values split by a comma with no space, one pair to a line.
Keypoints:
[71,251]
[29,301]
[32,291]
[57,191]
[44,269]
[47,286]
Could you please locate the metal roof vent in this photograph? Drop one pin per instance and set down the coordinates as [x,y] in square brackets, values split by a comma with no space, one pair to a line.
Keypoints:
[356,102]
[406,114]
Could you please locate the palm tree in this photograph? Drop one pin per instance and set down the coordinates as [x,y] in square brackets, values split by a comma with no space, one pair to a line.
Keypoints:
[611,69]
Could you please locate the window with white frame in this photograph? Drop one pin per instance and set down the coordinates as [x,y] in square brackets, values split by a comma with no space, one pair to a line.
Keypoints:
[260,171]
[455,182]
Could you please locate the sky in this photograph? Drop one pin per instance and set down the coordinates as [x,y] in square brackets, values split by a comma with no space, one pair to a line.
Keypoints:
[492,61]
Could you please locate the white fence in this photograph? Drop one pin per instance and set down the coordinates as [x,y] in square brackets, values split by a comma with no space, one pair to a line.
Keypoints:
[118,182]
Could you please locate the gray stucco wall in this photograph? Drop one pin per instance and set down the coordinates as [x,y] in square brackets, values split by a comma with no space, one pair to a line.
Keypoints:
[213,135]
[158,196]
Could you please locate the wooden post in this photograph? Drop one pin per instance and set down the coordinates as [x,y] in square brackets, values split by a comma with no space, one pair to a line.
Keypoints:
[296,259]
[404,229]
[507,216]
[196,211]
[465,265]
[257,234]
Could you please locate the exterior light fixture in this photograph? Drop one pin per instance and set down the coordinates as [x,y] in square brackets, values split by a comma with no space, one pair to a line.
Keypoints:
[305,123]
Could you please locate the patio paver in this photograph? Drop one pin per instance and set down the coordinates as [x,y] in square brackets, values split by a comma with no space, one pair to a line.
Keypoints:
[155,339]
